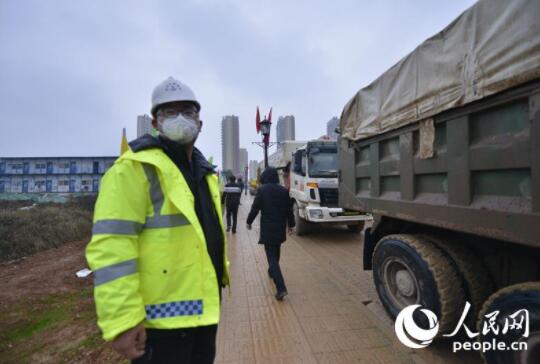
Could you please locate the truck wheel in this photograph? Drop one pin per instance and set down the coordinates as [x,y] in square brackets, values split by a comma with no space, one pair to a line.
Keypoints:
[507,301]
[408,270]
[356,228]
[302,227]
[474,276]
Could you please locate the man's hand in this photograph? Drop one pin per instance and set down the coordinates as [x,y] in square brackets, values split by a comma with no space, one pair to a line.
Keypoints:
[130,343]
[291,230]
[248,226]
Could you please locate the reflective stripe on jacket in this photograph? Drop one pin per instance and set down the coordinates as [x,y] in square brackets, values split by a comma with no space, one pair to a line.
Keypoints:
[148,250]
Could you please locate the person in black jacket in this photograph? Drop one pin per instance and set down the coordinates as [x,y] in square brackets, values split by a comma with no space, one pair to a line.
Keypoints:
[231,196]
[276,213]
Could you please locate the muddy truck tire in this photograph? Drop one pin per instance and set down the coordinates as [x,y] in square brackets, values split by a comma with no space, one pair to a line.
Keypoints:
[474,277]
[408,270]
[508,301]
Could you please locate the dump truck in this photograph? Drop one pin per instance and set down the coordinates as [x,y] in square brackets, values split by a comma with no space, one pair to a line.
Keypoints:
[444,150]
[308,169]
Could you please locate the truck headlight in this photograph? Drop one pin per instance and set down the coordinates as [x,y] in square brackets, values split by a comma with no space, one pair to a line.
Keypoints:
[316,214]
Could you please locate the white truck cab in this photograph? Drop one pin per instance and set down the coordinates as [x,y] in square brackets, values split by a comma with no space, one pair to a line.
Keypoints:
[313,186]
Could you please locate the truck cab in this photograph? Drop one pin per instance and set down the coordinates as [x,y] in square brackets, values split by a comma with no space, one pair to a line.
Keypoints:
[313,186]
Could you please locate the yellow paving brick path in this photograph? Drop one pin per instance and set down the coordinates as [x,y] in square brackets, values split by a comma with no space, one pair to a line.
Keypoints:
[322,320]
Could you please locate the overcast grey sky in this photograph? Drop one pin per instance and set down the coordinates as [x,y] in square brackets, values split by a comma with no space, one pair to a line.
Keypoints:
[73,73]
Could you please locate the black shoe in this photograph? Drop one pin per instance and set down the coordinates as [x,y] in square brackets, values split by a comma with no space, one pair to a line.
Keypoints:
[234,231]
[228,228]
[281,295]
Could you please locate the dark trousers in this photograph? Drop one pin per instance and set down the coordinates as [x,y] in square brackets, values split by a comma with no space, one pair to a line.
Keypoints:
[232,212]
[272,255]
[195,345]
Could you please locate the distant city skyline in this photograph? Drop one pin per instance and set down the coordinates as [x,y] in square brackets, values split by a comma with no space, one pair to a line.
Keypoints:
[302,58]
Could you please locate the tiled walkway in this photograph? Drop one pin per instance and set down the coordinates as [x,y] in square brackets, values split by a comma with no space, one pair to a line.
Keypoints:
[322,320]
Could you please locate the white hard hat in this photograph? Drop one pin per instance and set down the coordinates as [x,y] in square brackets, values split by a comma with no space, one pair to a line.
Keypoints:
[172,90]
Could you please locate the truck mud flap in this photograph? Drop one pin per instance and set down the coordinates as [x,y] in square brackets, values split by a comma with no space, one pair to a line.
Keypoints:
[369,247]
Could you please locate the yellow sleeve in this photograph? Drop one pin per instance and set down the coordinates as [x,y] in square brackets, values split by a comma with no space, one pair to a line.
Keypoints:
[112,253]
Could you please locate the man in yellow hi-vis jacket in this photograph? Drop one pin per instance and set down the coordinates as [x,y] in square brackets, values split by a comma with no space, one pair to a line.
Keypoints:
[158,248]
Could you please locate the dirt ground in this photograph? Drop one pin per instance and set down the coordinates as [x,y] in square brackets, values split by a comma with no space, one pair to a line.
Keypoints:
[47,314]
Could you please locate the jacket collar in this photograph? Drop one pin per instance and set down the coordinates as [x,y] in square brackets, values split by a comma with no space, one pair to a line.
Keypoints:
[148,141]
[148,149]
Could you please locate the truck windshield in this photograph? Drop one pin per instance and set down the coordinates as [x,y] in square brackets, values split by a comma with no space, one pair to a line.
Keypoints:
[323,163]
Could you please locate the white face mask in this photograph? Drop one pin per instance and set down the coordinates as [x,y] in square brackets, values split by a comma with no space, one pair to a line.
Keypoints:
[180,129]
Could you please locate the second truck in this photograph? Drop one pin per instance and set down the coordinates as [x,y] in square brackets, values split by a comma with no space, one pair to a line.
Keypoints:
[309,171]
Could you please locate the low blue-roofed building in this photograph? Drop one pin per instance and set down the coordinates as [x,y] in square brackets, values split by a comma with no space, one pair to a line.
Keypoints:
[54,174]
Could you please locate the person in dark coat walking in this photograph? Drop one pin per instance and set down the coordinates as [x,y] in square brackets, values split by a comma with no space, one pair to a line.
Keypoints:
[231,196]
[275,205]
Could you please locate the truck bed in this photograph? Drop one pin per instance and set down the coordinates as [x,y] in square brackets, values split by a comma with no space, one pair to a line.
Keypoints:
[473,169]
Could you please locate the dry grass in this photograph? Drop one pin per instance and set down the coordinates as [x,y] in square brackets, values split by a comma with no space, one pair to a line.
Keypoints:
[25,232]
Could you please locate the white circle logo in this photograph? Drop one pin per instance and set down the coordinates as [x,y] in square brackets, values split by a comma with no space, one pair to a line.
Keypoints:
[408,331]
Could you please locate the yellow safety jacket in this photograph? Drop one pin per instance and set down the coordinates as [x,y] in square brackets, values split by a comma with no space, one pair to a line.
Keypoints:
[148,250]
